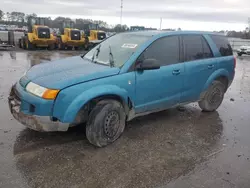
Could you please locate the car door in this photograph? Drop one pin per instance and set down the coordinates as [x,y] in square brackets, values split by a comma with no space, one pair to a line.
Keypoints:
[199,65]
[160,88]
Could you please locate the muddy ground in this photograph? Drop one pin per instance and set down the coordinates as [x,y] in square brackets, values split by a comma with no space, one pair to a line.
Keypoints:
[174,148]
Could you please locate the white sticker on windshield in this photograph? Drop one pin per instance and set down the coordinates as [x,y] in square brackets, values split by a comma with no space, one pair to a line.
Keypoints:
[129,45]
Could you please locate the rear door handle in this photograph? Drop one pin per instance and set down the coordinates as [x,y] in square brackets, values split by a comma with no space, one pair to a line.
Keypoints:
[176,72]
[210,66]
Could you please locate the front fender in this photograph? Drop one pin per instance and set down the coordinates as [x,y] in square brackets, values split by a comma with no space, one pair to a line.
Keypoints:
[86,96]
[64,38]
[30,37]
[214,76]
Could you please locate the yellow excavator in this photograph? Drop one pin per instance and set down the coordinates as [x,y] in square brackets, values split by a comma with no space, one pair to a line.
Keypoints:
[38,35]
[94,35]
[71,38]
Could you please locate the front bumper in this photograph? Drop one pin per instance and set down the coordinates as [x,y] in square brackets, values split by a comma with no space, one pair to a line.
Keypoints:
[38,123]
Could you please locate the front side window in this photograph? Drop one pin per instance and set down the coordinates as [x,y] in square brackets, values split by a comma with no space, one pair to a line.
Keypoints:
[164,50]
[117,49]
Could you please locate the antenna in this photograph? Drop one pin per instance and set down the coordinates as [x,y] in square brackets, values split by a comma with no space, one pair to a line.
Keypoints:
[121,12]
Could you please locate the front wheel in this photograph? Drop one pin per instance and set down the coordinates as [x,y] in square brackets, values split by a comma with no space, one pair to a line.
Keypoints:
[239,54]
[20,43]
[213,97]
[106,123]
[51,47]
[29,45]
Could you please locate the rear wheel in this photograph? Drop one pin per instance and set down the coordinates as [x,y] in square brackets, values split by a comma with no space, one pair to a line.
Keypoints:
[69,47]
[86,44]
[213,97]
[20,43]
[23,44]
[106,123]
[51,47]
[61,46]
[29,45]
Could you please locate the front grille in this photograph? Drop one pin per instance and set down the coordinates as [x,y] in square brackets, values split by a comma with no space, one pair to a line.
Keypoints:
[101,36]
[75,35]
[14,95]
[43,33]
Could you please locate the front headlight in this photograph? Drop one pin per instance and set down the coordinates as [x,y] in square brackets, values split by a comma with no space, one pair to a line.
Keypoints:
[41,91]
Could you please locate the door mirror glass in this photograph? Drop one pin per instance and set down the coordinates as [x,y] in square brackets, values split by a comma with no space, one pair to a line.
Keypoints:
[148,64]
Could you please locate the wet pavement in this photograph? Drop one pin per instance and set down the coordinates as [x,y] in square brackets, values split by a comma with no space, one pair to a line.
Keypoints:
[174,148]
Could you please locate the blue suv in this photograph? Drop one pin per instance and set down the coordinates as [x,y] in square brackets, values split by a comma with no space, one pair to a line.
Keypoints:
[127,75]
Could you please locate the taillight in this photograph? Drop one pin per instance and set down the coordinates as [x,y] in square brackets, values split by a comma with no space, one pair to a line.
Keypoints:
[234,62]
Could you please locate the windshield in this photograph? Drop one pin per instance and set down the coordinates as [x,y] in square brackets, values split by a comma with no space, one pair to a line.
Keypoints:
[116,49]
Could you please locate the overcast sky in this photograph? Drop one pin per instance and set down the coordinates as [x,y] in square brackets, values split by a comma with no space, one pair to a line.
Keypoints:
[186,14]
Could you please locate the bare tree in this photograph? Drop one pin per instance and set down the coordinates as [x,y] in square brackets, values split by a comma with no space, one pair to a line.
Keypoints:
[1,15]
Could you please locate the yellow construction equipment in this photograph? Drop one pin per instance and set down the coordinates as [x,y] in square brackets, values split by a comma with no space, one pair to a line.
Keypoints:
[94,35]
[71,38]
[38,35]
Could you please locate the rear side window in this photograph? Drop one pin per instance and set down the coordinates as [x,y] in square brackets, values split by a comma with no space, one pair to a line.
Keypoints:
[164,50]
[222,44]
[195,48]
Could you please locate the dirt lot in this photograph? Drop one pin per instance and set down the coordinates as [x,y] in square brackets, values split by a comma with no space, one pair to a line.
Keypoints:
[174,148]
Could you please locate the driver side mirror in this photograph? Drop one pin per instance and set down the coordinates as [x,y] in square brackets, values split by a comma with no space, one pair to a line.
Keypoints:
[148,64]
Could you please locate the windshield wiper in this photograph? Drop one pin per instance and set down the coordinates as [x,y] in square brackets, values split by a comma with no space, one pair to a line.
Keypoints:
[111,58]
[96,53]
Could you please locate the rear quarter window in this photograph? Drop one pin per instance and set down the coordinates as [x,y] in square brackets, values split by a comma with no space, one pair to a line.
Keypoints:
[222,44]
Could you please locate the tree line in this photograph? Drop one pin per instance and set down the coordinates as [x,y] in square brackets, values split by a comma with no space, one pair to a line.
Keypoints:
[20,19]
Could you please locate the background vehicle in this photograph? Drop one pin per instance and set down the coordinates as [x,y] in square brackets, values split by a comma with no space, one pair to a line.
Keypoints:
[38,35]
[128,75]
[243,50]
[93,33]
[71,37]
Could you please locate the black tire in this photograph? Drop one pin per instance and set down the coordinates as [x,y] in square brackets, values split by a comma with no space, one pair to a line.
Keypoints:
[101,129]
[23,44]
[29,45]
[239,54]
[51,47]
[213,97]
[20,43]
[76,48]
[69,47]
[86,44]
[61,46]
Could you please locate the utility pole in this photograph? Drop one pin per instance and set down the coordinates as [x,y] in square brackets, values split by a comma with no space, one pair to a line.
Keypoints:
[160,23]
[121,12]
[248,22]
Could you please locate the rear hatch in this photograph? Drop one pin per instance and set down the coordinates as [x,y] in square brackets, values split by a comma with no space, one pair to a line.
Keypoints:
[43,33]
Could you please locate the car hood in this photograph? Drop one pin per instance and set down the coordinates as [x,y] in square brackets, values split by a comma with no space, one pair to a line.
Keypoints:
[69,71]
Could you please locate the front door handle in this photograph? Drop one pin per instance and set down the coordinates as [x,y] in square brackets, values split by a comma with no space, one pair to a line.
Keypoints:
[176,72]
[210,66]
